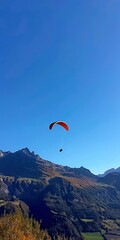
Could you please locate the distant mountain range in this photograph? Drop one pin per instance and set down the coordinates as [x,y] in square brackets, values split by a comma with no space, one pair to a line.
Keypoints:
[59,195]
[112,170]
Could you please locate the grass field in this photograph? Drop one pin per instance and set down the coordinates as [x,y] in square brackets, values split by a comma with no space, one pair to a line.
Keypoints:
[92,236]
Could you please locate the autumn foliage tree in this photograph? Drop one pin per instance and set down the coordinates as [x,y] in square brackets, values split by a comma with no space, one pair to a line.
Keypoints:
[18,227]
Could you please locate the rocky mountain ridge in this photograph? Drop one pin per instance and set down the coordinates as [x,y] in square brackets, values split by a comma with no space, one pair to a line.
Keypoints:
[59,195]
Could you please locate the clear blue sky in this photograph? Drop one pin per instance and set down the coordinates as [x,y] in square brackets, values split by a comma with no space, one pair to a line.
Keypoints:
[60,60]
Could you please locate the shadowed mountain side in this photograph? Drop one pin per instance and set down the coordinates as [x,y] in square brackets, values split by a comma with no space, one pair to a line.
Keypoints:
[59,195]
[62,206]
[112,179]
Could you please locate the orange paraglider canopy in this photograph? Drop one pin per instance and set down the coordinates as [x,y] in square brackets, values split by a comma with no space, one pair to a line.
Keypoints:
[63,124]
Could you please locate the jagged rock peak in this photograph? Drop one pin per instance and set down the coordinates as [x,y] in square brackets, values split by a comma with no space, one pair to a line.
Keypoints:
[26,150]
[30,153]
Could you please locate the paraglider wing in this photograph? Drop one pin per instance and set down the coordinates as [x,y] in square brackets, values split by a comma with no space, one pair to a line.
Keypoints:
[63,124]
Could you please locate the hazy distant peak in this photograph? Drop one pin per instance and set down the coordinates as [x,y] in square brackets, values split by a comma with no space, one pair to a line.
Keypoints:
[112,170]
[118,169]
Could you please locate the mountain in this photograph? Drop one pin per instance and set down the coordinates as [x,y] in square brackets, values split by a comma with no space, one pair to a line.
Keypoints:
[112,170]
[59,195]
[3,154]
[24,163]
[112,179]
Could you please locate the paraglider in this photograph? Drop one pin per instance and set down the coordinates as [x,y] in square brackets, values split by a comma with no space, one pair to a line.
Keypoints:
[62,124]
